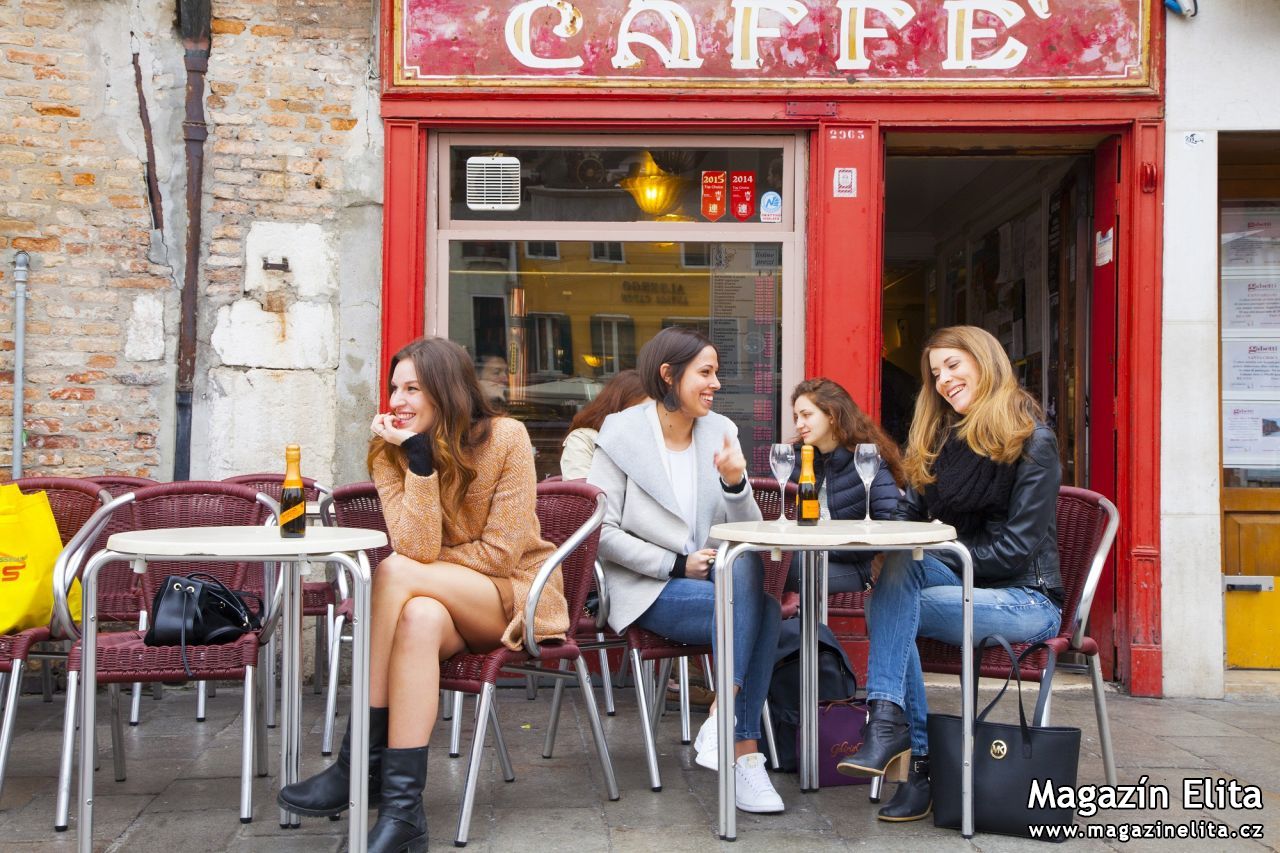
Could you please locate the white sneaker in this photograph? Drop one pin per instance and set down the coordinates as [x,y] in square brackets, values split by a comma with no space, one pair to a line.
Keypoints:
[754,790]
[706,745]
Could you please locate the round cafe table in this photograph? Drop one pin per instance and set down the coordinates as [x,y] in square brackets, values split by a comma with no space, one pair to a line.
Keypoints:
[345,546]
[738,538]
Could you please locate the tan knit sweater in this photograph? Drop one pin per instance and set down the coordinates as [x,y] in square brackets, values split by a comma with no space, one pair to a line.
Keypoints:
[497,532]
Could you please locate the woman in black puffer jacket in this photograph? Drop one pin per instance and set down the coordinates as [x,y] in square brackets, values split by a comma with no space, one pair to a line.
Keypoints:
[827,418]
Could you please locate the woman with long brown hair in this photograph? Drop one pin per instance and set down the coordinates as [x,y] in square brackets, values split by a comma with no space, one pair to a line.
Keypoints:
[828,419]
[458,493]
[980,458]
[623,391]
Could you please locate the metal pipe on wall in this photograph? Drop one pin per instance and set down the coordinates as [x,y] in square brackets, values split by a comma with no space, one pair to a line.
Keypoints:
[21,267]
[194,18]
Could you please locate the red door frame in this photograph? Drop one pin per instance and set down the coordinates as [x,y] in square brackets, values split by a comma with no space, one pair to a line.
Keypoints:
[845,252]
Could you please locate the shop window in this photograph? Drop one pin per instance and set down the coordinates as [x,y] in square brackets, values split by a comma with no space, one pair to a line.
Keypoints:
[609,253]
[710,242]
[726,184]
[545,250]
[613,343]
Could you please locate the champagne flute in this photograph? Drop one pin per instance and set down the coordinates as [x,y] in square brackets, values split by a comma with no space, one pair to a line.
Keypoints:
[866,460]
[782,458]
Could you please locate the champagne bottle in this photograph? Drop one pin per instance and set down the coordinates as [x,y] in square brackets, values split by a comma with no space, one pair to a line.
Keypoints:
[293,500]
[807,510]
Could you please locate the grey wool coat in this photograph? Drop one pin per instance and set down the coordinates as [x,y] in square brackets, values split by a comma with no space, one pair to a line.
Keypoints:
[643,530]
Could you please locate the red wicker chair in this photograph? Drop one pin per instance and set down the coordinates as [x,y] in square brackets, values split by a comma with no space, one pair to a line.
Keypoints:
[123,658]
[645,646]
[356,505]
[569,513]
[1087,525]
[73,502]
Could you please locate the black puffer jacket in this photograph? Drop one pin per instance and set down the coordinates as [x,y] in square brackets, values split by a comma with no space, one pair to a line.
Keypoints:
[847,499]
[1018,547]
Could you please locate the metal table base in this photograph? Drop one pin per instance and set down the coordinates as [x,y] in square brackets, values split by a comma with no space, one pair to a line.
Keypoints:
[810,586]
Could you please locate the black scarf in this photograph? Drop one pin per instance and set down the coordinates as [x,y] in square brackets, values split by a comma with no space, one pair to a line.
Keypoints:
[968,488]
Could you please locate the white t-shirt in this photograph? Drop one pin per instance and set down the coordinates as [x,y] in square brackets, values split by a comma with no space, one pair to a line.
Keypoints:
[682,472]
[684,482]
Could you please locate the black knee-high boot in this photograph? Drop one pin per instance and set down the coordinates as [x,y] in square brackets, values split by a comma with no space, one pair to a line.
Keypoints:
[914,798]
[886,742]
[327,793]
[402,823]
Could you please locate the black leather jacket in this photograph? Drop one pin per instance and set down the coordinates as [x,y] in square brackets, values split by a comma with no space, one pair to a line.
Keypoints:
[1018,547]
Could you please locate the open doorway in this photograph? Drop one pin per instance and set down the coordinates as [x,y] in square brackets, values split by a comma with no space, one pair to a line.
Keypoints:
[1012,234]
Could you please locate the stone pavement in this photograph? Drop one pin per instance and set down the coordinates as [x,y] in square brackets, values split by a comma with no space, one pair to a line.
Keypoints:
[182,789]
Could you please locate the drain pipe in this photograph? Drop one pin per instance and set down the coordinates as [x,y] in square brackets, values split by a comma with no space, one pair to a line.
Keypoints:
[21,266]
[194,17]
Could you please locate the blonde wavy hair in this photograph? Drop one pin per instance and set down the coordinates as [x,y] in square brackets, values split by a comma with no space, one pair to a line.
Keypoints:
[999,421]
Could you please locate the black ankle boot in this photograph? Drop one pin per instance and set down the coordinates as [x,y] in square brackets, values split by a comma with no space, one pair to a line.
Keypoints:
[914,799]
[327,794]
[885,741]
[402,824]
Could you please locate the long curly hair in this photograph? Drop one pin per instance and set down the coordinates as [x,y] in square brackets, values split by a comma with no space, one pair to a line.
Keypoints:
[999,421]
[464,418]
[849,424]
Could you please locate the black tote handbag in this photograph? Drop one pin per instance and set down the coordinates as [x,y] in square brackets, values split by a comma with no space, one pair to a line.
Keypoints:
[1007,759]
[199,610]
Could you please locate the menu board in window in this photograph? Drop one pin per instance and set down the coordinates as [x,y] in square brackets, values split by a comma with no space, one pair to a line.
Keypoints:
[1250,293]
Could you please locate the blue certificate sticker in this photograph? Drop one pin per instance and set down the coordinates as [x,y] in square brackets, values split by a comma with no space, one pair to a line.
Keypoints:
[771,207]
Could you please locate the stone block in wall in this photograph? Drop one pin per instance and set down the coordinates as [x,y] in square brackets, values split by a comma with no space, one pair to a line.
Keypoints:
[312,260]
[144,333]
[300,336]
[253,414]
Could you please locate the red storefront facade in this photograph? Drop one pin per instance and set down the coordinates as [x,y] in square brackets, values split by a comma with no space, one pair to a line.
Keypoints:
[852,81]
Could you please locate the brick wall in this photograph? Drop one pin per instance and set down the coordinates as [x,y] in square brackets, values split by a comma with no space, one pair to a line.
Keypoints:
[73,196]
[293,139]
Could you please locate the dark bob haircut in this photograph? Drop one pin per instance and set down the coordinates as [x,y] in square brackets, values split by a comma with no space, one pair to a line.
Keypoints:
[674,346]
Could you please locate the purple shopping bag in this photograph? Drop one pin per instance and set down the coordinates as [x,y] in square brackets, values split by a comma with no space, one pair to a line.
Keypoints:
[840,725]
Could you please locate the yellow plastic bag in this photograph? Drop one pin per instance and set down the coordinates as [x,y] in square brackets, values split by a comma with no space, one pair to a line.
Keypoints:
[29,546]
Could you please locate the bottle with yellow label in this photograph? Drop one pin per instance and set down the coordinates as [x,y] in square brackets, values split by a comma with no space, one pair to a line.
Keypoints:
[807,510]
[293,498]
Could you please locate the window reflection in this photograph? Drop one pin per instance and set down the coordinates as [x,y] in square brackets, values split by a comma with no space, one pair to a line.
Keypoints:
[565,316]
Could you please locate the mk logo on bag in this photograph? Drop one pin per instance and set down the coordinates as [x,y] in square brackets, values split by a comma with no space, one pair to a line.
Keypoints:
[999,749]
[11,566]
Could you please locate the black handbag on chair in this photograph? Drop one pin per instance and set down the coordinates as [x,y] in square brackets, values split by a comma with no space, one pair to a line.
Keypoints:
[199,610]
[1007,759]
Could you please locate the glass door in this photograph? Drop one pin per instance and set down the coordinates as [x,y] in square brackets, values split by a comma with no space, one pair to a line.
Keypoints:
[558,257]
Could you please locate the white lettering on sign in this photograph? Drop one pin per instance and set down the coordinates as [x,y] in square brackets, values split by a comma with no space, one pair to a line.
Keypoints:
[961,34]
[854,30]
[747,31]
[681,52]
[519,32]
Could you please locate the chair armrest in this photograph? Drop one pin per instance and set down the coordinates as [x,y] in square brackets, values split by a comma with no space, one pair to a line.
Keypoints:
[326,506]
[553,563]
[602,597]
[70,562]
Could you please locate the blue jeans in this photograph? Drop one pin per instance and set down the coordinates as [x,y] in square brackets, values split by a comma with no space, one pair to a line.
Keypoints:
[685,612]
[924,598]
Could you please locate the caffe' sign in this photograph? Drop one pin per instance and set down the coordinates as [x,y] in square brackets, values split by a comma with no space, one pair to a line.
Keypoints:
[793,44]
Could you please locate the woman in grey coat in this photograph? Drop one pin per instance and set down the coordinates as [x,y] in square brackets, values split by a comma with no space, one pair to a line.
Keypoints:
[670,470]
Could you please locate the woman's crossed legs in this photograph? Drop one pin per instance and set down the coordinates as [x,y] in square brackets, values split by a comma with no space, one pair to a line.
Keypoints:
[424,613]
